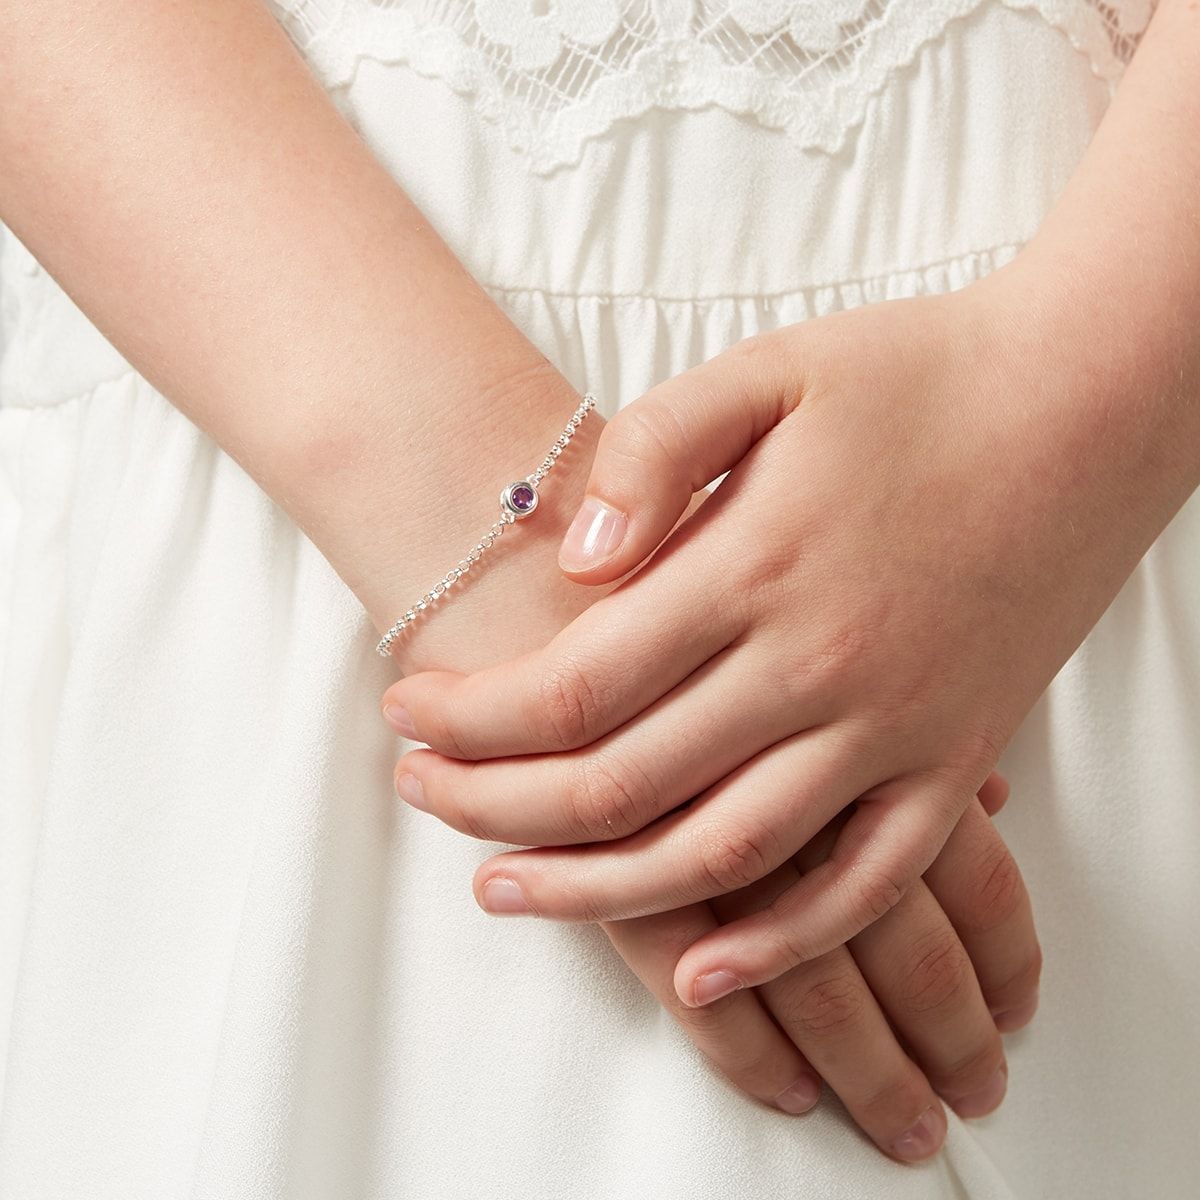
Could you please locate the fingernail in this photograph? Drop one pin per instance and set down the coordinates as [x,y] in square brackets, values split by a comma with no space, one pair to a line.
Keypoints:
[1012,1019]
[801,1096]
[979,1103]
[921,1140]
[399,720]
[712,985]
[504,896]
[409,789]
[594,535]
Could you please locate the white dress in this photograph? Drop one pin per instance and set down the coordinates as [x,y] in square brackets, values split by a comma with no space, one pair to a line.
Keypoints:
[232,967]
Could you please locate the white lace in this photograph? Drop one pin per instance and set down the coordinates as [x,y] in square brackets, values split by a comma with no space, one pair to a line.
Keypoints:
[554,73]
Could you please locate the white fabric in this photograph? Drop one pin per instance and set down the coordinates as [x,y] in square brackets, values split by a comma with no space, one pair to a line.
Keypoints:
[554,73]
[232,966]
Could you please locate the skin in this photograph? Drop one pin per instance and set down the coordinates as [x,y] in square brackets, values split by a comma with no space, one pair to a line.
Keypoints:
[182,176]
[929,505]
[890,1019]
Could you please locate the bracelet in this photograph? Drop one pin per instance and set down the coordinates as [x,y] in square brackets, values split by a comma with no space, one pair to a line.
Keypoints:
[517,501]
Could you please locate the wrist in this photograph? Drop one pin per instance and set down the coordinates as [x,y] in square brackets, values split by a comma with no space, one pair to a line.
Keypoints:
[1114,382]
[513,596]
[398,497]
[1095,443]
[1098,332]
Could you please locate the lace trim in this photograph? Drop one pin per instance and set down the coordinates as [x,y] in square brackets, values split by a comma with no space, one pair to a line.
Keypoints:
[554,74]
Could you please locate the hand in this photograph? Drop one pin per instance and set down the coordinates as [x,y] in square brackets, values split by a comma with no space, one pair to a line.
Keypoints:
[918,528]
[960,944]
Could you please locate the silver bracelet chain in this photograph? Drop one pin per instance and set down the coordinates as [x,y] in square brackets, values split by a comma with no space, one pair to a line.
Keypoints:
[517,501]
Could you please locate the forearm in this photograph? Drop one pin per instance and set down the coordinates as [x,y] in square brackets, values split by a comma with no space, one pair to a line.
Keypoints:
[1111,331]
[184,178]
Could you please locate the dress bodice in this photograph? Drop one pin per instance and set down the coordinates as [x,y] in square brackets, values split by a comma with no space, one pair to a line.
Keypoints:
[557,73]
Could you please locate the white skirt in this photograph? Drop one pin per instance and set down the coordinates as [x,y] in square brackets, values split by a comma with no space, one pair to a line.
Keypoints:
[232,966]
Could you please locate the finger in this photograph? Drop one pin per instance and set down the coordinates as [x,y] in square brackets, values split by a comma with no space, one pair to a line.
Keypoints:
[885,846]
[978,884]
[656,452]
[614,660]
[706,727]
[736,831]
[827,1009]
[924,980]
[736,1034]
[994,793]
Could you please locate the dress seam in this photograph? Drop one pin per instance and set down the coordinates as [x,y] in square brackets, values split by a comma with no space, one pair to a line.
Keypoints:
[1009,247]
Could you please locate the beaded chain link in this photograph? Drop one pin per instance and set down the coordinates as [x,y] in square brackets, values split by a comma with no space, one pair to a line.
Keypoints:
[517,501]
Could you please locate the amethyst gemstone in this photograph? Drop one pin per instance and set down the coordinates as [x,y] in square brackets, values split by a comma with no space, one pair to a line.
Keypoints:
[522,497]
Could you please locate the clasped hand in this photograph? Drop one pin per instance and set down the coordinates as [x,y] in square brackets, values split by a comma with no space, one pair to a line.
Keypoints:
[842,637]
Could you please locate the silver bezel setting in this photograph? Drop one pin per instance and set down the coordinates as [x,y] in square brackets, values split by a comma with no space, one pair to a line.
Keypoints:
[506,500]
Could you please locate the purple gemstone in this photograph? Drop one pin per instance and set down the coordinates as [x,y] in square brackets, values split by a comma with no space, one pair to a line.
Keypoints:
[522,497]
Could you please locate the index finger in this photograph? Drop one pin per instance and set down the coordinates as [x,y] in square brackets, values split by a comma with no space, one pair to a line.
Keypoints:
[610,663]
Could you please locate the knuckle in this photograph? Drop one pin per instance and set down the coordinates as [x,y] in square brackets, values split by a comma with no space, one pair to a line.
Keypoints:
[831,1007]
[833,665]
[877,889]
[649,436]
[609,801]
[937,976]
[846,644]
[1000,891]
[789,947]
[765,578]
[569,713]
[734,858]
[578,903]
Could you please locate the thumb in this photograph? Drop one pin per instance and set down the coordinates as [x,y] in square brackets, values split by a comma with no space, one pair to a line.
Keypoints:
[657,452]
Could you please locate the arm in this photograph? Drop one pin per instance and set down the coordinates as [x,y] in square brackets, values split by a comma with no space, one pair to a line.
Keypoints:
[185,179]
